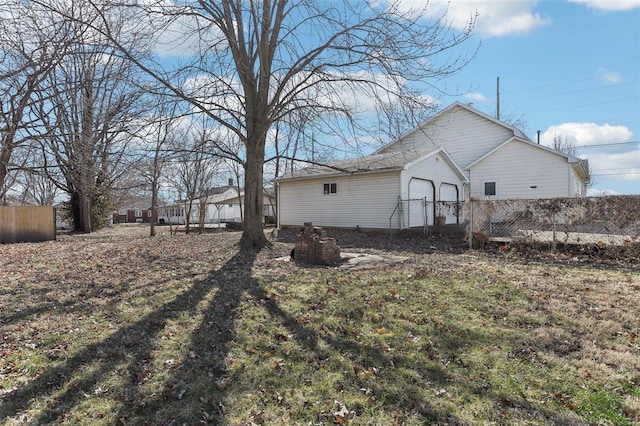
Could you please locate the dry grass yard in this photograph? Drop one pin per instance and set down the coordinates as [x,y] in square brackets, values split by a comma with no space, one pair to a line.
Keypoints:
[119,328]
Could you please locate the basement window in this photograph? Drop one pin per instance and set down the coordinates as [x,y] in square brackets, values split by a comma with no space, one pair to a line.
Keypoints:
[330,188]
[489,189]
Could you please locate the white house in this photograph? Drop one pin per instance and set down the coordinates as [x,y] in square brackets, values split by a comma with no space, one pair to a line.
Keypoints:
[366,192]
[221,205]
[457,154]
[547,173]
[499,160]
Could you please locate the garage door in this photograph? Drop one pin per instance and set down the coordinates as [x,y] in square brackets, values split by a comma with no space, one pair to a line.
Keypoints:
[419,213]
[448,197]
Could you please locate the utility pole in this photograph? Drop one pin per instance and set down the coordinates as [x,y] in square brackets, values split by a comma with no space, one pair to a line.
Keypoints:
[498,98]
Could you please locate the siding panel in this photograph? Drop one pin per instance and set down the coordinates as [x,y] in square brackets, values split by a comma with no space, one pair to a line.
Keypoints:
[466,136]
[365,200]
[540,174]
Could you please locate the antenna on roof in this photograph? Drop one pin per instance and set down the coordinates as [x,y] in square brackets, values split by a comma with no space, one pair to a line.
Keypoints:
[498,98]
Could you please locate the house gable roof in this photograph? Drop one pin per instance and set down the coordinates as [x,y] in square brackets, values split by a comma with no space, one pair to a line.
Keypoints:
[384,162]
[579,164]
[456,105]
[447,158]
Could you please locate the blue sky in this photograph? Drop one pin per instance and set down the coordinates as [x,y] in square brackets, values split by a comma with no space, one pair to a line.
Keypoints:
[565,68]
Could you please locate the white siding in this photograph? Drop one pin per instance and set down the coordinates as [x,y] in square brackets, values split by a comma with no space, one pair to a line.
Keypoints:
[365,200]
[433,168]
[579,187]
[436,170]
[466,136]
[521,170]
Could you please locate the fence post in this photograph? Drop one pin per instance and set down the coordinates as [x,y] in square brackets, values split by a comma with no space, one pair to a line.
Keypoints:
[554,233]
[425,216]
[470,224]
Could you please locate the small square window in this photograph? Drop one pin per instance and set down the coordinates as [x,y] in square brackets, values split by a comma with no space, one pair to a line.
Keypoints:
[230,206]
[489,188]
[122,212]
[330,188]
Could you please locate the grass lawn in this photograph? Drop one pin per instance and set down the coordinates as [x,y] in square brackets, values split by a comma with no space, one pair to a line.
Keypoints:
[117,328]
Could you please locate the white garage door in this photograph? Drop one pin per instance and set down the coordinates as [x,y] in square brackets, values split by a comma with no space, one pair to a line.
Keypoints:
[419,213]
[448,195]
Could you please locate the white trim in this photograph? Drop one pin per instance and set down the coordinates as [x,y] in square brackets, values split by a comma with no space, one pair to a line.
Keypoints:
[452,164]
[516,139]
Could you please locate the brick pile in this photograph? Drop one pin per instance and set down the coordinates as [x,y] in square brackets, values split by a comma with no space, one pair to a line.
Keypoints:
[314,247]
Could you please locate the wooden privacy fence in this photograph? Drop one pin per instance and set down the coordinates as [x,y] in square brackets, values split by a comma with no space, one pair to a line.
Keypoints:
[27,224]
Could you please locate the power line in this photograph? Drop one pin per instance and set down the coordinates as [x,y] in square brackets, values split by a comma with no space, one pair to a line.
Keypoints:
[634,83]
[564,83]
[617,174]
[585,105]
[607,144]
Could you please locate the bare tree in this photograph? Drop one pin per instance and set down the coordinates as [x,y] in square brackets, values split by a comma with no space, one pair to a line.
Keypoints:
[562,144]
[193,169]
[38,188]
[156,137]
[30,47]
[258,62]
[87,112]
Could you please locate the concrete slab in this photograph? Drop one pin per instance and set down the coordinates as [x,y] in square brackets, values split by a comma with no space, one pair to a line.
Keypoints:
[358,261]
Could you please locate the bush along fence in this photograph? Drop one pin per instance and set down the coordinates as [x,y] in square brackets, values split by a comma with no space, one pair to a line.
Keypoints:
[597,222]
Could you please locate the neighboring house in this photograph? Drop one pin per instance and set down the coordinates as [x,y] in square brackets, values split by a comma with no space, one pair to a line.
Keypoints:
[132,215]
[221,205]
[365,192]
[457,154]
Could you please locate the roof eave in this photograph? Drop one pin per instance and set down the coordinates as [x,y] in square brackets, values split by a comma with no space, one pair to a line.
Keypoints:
[338,174]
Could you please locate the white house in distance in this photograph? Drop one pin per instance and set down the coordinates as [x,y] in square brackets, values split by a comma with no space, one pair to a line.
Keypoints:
[222,205]
[458,154]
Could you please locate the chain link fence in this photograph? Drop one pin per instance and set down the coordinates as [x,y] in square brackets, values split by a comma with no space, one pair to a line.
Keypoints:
[611,221]
[423,213]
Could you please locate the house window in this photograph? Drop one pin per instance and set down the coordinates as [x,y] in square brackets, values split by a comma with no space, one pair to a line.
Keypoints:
[489,189]
[230,206]
[138,213]
[122,212]
[330,188]
[149,213]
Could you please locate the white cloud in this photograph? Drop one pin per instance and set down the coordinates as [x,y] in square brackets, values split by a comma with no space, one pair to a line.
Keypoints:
[611,76]
[609,5]
[495,18]
[587,134]
[621,166]
[476,97]
[610,163]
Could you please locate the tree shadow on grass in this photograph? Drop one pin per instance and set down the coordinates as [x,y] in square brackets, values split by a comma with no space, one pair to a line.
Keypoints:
[66,385]
[200,388]
[194,390]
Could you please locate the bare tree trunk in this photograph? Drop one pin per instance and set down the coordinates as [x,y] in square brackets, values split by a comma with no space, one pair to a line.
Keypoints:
[5,155]
[253,234]
[154,195]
